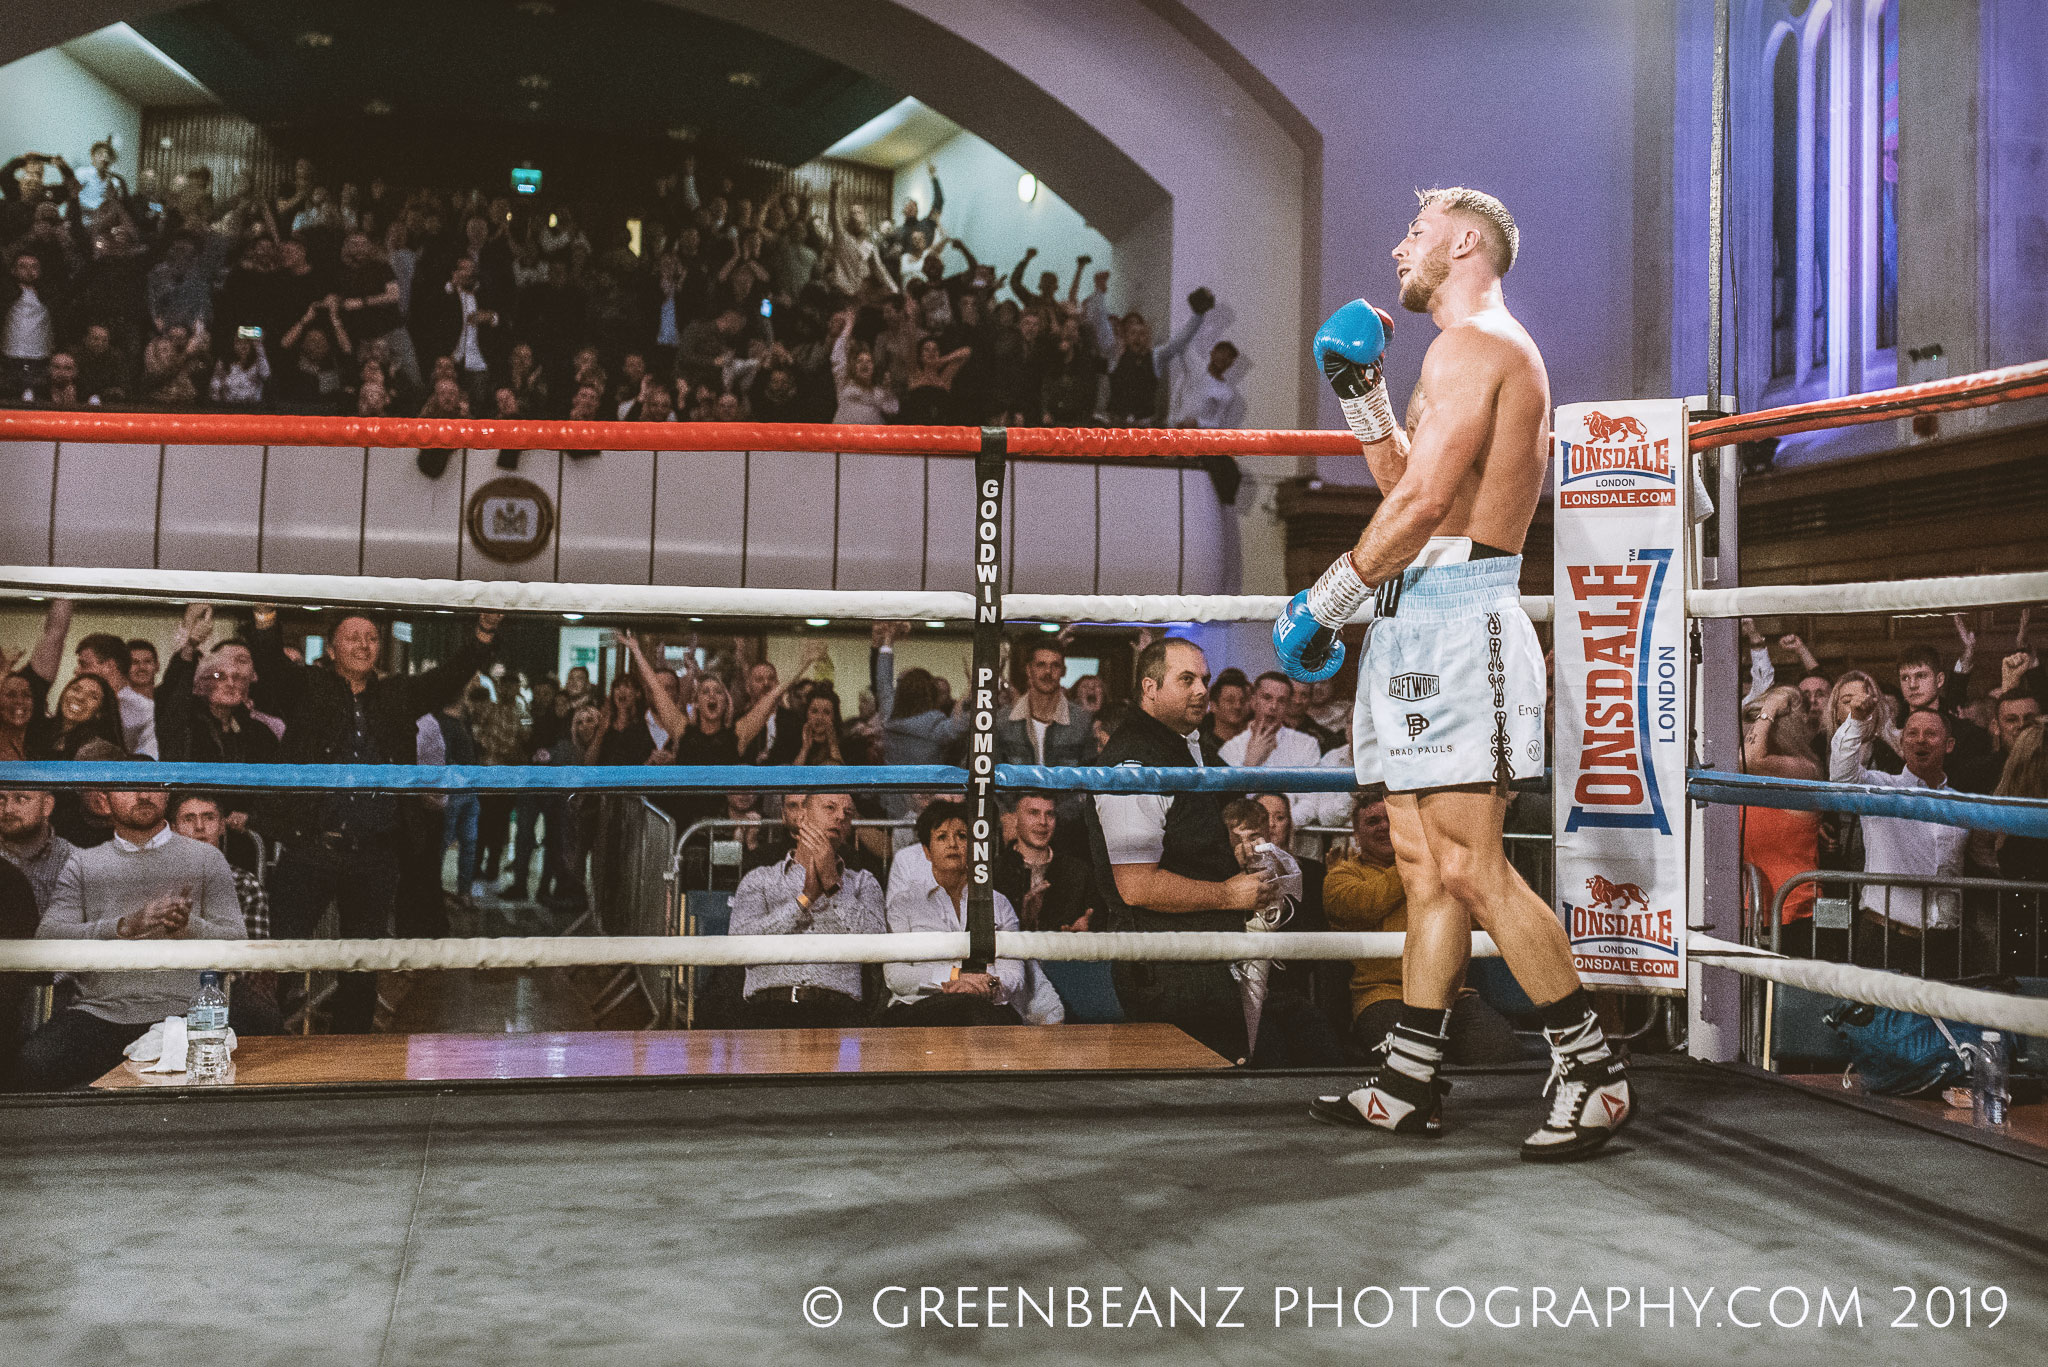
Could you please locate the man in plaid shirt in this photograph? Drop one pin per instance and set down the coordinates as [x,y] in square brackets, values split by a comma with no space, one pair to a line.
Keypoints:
[253,1002]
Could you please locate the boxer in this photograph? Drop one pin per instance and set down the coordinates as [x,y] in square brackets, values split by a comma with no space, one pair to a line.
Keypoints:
[1451,687]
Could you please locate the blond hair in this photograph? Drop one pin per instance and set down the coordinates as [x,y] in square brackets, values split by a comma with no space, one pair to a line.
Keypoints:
[1496,225]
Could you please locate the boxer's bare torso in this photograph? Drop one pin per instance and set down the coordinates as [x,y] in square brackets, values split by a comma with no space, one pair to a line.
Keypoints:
[1483,379]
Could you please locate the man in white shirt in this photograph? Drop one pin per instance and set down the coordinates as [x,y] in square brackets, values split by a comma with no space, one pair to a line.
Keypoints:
[1908,929]
[106,656]
[939,992]
[1268,743]
[851,261]
[1215,401]
[28,328]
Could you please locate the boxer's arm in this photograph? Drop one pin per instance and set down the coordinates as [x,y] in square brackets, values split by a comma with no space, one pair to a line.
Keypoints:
[1462,379]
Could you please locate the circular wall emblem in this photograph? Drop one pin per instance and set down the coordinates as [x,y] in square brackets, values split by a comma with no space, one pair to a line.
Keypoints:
[510,519]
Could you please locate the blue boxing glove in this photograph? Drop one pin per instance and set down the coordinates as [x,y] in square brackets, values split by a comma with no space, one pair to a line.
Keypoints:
[1309,651]
[1348,347]
[1305,635]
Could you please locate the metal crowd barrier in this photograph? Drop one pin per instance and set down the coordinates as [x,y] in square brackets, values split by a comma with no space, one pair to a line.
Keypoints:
[1997,923]
[632,892]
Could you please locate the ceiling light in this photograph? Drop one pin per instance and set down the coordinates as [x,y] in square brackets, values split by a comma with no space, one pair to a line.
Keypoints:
[572,616]
[682,132]
[745,79]
[696,619]
[377,107]
[1027,187]
[935,624]
[817,621]
[313,39]
[1048,626]
[536,81]
[533,106]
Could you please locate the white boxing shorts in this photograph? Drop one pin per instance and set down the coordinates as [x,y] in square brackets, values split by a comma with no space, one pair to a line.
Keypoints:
[1451,690]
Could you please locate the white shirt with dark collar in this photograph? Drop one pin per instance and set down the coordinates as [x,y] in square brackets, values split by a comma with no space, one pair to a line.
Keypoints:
[467,352]
[1893,844]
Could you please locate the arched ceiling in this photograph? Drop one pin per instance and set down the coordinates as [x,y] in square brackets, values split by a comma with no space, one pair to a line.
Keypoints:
[878,45]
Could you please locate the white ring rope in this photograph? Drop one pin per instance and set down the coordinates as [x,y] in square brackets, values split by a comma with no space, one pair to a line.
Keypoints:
[2027,1015]
[660,600]
[1947,594]
[1994,1010]
[573,951]
[641,600]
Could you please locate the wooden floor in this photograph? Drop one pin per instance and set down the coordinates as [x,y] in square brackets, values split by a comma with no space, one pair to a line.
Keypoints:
[2026,1125]
[311,1061]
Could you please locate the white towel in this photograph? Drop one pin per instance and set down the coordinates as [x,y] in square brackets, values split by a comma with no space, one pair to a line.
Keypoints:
[163,1047]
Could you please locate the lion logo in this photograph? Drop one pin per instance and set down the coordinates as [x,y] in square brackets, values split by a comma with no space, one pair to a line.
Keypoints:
[1601,428]
[1609,894]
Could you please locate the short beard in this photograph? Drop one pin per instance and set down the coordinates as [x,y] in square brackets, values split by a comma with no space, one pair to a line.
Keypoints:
[1419,291]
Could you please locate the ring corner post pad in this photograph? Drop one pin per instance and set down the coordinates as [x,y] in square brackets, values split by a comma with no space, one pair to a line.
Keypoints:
[984,821]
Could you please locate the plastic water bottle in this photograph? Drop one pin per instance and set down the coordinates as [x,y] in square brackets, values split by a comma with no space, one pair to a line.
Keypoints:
[206,1032]
[1989,1098]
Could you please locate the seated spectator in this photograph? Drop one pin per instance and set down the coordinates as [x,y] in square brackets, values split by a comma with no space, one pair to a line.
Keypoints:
[1050,891]
[1230,706]
[1163,860]
[252,997]
[1267,742]
[811,890]
[1779,742]
[30,843]
[1299,714]
[147,883]
[105,656]
[1907,929]
[942,992]
[1363,893]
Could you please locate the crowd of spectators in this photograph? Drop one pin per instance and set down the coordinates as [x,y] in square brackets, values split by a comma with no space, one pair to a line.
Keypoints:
[769,306]
[1925,730]
[370,865]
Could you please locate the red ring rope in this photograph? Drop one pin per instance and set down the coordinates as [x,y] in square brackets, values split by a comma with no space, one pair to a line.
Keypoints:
[1978,390]
[287,429]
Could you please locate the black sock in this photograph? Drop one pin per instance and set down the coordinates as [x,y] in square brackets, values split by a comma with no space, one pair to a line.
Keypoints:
[1567,1011]
[1425,1020]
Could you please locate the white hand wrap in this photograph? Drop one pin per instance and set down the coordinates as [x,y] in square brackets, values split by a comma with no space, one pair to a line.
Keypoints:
[1338,595]
[1371,414]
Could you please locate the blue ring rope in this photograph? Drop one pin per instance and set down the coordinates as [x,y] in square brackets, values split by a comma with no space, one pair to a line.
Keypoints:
[2010,815]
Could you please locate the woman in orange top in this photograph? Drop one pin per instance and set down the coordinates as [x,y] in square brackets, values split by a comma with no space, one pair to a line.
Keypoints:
[1778,741]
